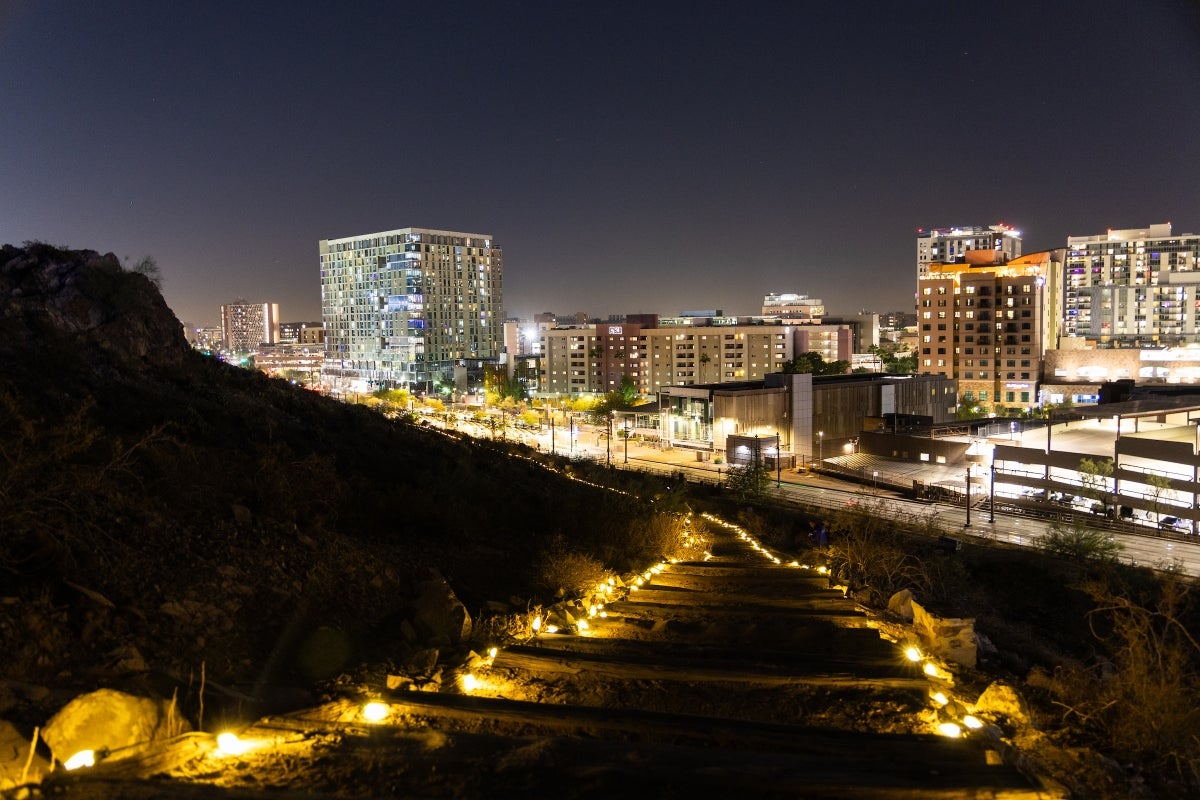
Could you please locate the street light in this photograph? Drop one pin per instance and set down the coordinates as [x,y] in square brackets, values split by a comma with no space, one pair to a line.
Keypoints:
[875,481]
[968,523]
[608,443]
[821,447]
[626,438]
[992,500]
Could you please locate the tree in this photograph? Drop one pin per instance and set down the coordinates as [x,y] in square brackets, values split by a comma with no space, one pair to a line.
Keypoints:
[892,360]
[512,388]
[749,481]
[969,408]
[705,358]
[620,399]
[148,266]
[1094,474]
[1159,485]
[812,362]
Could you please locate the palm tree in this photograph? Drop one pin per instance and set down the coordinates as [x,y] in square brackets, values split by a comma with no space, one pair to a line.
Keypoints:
[704,359]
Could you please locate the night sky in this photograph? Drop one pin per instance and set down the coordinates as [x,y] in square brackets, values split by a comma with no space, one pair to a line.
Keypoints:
[644,156]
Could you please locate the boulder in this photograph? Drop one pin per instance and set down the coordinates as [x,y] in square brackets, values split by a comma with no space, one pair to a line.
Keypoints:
[1002,703]
[439,614]
[949,637]
[901,604]
[107,720]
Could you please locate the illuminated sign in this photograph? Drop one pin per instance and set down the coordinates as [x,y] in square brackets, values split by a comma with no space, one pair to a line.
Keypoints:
[614,330]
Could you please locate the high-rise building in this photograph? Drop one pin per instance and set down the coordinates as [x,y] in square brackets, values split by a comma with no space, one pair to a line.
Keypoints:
[988,326]
[410,306]
[951,245]
[246,326]
[1138,287]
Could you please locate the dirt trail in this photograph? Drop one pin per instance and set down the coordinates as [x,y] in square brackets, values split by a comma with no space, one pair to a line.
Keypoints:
[734,675]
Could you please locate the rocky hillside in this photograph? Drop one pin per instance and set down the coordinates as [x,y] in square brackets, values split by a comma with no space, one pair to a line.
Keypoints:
[162,513]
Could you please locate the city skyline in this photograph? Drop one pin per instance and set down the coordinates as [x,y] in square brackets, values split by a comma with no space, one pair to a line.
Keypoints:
[628,158]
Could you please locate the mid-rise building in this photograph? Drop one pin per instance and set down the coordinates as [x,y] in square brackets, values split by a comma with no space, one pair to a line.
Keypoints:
[798,307]
[301,333]
[291,360]
[204,337]
[679,351]
[411,306]
[988,326]
[951,245]
[247,326]
[1138,287]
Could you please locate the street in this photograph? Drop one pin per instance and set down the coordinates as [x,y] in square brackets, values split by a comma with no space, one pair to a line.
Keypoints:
[831,493]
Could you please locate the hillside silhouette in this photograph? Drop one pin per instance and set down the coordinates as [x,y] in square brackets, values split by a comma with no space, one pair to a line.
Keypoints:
[163,512]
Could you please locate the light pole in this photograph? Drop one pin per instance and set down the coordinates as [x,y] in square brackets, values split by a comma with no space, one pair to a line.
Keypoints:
[968,523]
[778,465]
[608,443]
[820,447]
[992,499]
[626,438]
[875,481]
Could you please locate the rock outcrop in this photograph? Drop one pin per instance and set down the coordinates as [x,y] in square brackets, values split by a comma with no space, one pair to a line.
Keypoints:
[83,302]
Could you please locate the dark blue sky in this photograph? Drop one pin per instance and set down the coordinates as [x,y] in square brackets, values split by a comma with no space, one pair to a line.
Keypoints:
[640,156]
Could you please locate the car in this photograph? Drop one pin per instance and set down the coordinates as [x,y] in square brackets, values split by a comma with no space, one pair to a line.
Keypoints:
[1173,524]
[1103,509]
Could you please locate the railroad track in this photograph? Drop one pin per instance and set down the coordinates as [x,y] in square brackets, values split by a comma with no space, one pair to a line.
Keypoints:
[733,676]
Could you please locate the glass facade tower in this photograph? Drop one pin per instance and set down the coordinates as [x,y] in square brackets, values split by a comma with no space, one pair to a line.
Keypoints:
[406,307]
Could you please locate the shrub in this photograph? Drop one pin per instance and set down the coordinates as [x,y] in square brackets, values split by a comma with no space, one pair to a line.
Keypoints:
[573,573]
[1140,705]
[1077,541]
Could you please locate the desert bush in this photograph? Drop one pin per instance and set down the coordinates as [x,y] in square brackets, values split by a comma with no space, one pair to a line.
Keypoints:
[652,537]
[511,627]
[1077,541]
[1140,702]
[869,555]
[562,569]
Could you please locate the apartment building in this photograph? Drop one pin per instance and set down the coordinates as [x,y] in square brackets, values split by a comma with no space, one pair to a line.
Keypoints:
[1137,287]
[988,326]
[678,351]
[951,245]
[246,326]
[410,306]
